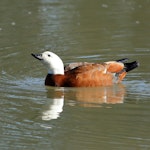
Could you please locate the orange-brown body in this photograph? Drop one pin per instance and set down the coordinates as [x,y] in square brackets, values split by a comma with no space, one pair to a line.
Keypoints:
[88,75]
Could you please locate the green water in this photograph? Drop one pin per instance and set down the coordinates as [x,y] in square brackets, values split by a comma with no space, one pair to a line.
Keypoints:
[33,116]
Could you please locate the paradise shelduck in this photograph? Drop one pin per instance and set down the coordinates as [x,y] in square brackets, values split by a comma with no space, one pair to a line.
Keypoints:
[83,74]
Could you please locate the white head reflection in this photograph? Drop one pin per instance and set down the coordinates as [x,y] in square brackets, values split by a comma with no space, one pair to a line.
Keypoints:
[54,109]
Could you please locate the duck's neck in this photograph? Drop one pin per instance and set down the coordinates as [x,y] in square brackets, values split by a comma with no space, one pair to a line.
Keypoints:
[56,71]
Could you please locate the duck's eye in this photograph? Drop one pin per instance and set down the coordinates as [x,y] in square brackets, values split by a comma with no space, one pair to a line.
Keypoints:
[49,55]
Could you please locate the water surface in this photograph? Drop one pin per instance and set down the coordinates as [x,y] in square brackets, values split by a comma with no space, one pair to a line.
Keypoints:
[37,117]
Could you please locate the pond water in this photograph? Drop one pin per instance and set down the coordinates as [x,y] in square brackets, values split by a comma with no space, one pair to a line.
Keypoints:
[37,117]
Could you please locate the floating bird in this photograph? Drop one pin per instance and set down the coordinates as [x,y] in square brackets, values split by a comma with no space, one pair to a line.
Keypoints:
[83,74]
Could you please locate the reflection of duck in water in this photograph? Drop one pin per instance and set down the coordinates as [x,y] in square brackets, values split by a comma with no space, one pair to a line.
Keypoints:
[98,95]
[54,106]
[83,74]
[87,97]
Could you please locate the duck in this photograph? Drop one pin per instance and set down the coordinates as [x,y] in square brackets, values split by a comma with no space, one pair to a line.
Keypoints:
[83,74]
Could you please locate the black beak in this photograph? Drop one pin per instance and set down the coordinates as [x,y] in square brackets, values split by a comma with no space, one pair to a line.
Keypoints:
[37,56]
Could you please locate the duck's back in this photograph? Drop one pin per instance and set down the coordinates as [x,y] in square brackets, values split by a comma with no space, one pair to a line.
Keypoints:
[92,74]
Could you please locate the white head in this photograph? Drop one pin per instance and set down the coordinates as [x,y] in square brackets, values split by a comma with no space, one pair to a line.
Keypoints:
[52,62]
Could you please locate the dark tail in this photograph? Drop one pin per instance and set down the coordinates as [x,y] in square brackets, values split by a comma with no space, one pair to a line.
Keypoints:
[131,66]
[128,66]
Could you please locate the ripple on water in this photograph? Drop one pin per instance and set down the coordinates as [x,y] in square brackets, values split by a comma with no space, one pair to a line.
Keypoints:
[24,101]
[21,101]
[138,90]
